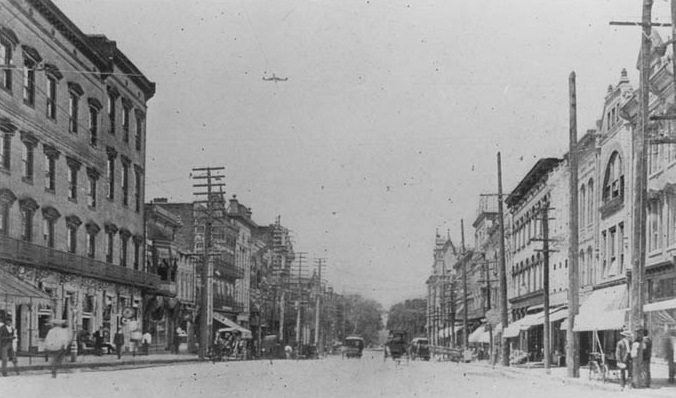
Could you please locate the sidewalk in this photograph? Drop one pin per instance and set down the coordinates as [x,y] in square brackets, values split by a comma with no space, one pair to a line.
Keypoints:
[38,362]
[659,386]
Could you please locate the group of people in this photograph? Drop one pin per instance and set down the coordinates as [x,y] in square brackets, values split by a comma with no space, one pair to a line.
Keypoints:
[627,353]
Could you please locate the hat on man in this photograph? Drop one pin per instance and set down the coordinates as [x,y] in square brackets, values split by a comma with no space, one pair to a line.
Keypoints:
[626,333]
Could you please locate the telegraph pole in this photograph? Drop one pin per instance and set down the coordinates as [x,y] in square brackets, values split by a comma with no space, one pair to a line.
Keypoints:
[641,193]
[503,270]
[464,287]
[207,272]
[572,338]
[320,263]
[545,284]
[301,257]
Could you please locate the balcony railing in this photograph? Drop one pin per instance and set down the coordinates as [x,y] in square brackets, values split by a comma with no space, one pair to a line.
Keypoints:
[44,257]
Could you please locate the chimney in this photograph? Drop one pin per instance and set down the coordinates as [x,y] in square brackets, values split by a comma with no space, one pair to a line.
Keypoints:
[234,205]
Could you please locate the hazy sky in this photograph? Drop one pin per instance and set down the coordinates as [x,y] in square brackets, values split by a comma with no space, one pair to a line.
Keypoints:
[390,120]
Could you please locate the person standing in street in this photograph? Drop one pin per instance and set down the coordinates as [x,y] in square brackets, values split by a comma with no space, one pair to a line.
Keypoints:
[622,351]
[118,340]
[98,342]
[145,342]
[177,339]
[647,355]
[57,343]
[7,352]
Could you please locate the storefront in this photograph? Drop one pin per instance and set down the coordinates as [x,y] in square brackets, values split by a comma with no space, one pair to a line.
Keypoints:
[601,318]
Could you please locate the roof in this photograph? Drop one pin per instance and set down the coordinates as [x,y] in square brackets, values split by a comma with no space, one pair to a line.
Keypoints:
[540,169]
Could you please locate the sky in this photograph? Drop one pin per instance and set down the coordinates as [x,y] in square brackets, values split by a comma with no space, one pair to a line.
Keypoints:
[388,126]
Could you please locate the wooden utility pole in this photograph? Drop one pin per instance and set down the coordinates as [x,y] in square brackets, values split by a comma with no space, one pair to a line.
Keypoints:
[464,286]
[320,263]
[301,257]
[207,272]
[503,270]
[545,284]
[640,193]
[572,338]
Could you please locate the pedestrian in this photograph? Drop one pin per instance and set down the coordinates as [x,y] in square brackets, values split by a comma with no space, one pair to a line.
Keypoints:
[7,352]
[57,343]
[177,339]
[98,342]
[668,347]
[118,340]
[647,354]
[145,342]
[622,354]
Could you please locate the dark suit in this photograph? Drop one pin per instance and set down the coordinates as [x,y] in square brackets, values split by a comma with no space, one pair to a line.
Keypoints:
[6,349]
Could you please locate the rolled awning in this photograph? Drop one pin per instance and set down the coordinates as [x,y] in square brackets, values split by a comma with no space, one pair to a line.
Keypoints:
[246,333]
[604,309]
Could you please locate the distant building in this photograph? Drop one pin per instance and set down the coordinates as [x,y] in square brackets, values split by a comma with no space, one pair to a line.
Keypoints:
[72,166]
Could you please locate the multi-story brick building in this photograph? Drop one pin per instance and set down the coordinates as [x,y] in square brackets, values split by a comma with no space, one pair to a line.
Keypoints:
[72,162]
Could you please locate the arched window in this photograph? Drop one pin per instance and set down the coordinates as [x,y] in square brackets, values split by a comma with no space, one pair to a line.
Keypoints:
[583,201]
[590,201]
[613,183]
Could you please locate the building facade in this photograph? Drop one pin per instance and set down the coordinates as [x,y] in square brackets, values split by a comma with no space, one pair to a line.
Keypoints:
[72,162]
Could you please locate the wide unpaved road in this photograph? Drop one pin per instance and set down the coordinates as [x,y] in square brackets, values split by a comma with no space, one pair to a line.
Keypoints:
[329,377]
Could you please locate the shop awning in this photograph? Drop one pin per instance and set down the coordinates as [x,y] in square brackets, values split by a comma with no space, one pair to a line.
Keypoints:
[604,309]
[524,323]
[246,333]
[476,335]
[14,290]
[557,314]
[660,306]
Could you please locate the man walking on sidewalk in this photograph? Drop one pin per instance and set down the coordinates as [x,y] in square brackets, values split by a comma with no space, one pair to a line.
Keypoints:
[118,340]
[623,358]
[57,343]
[7,352]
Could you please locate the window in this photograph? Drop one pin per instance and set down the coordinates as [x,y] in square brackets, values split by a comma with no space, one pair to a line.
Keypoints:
[613,184]
[620,246]
[125,181]
[137,253]
[27,161]
[6,58]
[110,235]
[124,244]
[583,202]
[92,177]
[29,82]
[48,232]
[112,97]
[73,105]
[71,237]
[4,217]
[51,97]
[93,126]
[139,130]
[50,173]
[27,224]
[92,231]
[590,201]
[125,123]
[110,173]
[73,168]
[5,151]
[138,185]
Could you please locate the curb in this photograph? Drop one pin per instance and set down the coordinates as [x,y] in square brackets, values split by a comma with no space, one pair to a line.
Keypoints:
[94,365]
[580,381]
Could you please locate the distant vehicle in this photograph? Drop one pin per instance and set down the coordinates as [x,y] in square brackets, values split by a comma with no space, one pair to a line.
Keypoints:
[420,348]
[396,345]
[353,347]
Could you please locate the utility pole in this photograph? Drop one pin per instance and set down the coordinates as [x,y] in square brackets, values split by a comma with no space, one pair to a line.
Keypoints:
[545,284]
[207,272]
[320,263]
[572,338]
[301,257]
[640,194]
[464,287]
[503,270]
